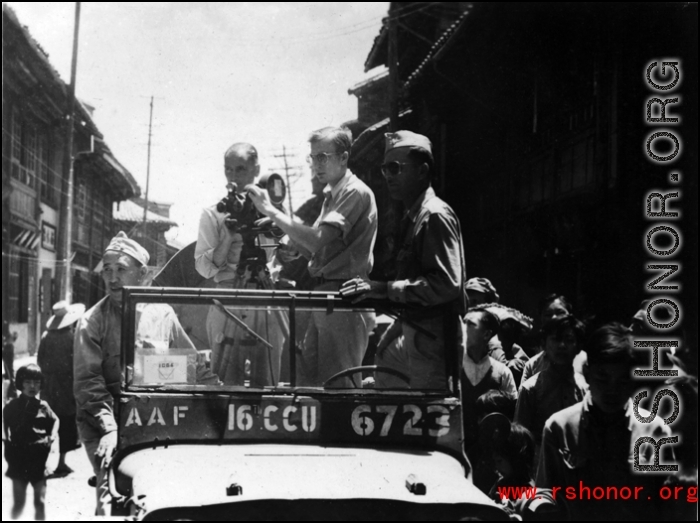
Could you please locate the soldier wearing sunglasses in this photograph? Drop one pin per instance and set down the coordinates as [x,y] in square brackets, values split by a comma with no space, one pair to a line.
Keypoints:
[430,269]
[340,246]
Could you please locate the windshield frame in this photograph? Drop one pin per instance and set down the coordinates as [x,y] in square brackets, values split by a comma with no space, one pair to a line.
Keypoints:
[288,300]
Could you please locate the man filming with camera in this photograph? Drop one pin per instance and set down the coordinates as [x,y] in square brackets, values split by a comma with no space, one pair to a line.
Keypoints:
[232,256]
[340,244]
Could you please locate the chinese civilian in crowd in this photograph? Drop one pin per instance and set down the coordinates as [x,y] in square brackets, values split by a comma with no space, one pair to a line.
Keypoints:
[552,306]
[430,276]
[679,358]
[340,247]
[513,456]
[97,350]
[686,450]
[510,352]
[494,413]
[591,444]
[480,291]
[513,324]
[30,426]
[221,255]
[8,361]
[55,357]
[480,372]
[557,386]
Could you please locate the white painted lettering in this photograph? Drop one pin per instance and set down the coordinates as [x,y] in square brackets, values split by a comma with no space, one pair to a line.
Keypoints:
[134,418]
[361,423]
[288,411]
[267,422]
[308,418]
[156,417]
[179,413]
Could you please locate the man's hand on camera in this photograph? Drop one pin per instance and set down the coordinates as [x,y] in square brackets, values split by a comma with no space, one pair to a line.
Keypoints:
[260,199]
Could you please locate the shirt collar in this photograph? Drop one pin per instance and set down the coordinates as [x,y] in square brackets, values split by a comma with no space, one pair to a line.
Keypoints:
[426,195]
[476,370]
[338,186]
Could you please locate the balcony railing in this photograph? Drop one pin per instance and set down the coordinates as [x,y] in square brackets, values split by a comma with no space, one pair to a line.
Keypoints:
[23,201]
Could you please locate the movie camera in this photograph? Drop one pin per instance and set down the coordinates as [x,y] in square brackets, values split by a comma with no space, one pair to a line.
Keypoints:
[241,211]
[242,218]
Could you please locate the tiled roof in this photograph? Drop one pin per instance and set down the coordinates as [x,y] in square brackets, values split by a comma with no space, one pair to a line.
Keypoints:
[129,211]
[435,49]
[368,81]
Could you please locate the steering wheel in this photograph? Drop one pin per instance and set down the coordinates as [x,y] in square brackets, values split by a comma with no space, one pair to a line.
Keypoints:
[362,368]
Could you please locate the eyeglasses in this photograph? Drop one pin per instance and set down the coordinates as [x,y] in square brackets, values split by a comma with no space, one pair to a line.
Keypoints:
[392,169]
[320,158]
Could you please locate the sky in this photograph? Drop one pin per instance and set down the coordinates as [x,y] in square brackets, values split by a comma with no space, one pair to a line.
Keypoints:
[220,73]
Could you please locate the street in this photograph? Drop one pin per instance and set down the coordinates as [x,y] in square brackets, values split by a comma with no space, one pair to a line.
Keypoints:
[68,498]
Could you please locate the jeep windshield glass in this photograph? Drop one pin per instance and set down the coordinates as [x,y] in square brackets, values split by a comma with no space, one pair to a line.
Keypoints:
[258,341]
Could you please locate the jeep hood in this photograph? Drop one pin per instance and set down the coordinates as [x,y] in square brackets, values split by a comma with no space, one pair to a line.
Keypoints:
[206,475]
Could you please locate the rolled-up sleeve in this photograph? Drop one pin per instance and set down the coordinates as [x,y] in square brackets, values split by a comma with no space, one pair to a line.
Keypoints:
[93,401]
[346,211]
[207,240]
[441,261]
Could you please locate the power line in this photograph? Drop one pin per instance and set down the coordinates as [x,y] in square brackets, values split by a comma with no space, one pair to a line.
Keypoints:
[286,172]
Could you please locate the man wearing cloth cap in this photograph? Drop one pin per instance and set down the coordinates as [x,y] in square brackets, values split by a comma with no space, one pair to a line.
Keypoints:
[481,290]
[55,357]
[430,266]
[340,244]
[97,349]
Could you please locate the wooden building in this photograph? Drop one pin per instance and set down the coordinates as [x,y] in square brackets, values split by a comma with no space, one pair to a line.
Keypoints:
[34,103]
[537,116]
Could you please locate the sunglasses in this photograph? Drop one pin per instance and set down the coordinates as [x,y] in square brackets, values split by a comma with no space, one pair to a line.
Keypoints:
[392,169]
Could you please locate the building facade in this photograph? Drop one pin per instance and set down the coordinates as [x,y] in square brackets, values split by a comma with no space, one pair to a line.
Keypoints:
[34,104]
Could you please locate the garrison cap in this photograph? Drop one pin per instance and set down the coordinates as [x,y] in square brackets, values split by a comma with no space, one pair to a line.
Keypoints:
[407,139]
[122,243]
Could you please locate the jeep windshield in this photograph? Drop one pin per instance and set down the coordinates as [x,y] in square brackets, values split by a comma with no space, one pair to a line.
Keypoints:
[205,340]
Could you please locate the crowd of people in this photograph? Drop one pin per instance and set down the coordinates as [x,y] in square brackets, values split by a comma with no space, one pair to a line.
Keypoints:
[546,402]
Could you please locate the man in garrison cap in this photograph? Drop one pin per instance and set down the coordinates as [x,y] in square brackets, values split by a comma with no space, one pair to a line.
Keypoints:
[97,350]
[431,275]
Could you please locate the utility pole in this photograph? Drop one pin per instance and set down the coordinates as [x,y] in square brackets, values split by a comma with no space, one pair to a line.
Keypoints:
[393,59]
[286,173]
[148,176]
[65,231]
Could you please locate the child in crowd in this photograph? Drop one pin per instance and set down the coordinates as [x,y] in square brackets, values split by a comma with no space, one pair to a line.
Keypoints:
[513,460]
[498,408]
[30,428]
